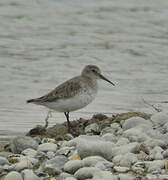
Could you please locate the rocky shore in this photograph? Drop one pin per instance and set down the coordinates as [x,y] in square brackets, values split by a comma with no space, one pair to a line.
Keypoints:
[126,146]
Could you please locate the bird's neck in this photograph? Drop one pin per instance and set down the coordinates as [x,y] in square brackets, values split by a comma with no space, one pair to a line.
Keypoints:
[92,82]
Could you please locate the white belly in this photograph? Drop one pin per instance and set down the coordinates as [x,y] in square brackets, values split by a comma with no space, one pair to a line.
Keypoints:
[71,104]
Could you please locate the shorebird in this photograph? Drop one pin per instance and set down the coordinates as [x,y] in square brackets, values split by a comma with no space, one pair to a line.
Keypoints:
[73,94]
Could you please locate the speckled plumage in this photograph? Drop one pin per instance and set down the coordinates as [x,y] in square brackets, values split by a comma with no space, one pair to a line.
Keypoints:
[73,94]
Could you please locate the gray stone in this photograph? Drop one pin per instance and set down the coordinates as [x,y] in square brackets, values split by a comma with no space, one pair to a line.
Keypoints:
[50,154]
[160,118]
[70,178]
[3,161]
[92,128]
[28,174]
[72,166]
[136,134]
[122,141]
[120,169]
[110,137]
[151,177]
[128,159]
[48,140]
[5,154]
[165,153]
[128,148]
[21,143]
[47,147]
[29,152]
[24,164]
[64,175]
[135,121]
[155,166]
[66,151]
[92,146]
[94,161]
[94,173]
[54,166]
[126,177]
[163,177]
[13,175]
[86,172]
[156,153]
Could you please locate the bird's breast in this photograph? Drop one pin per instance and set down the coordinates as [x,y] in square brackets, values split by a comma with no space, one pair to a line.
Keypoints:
[80,100]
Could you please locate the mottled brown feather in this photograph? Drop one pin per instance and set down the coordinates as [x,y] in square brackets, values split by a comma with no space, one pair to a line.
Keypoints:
[66,90]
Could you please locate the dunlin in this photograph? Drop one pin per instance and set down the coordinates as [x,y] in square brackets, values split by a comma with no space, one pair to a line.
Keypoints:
[73,94]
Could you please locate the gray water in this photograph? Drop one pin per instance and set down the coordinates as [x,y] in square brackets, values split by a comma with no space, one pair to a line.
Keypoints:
[45,42]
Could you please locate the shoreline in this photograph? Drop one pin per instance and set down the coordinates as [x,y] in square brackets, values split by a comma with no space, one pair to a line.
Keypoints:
[127,146]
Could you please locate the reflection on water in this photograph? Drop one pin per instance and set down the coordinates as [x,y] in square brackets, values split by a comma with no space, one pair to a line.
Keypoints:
[43,43]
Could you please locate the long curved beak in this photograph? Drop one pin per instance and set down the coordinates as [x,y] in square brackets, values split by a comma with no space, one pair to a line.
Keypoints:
[104,78]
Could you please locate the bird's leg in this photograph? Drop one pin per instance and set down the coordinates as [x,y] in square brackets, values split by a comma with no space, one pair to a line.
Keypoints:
[46,119]
[68,122]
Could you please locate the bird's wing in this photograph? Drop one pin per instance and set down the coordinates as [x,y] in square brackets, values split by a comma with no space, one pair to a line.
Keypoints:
[66,90]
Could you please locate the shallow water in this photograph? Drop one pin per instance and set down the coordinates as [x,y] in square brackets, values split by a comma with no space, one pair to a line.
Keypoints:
[43,43]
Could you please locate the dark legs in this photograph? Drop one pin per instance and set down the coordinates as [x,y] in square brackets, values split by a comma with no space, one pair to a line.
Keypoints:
[68,122]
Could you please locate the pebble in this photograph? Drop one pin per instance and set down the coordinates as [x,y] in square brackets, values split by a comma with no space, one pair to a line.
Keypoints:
[21,143]
[120,169]
[55,165]
[13,175]
[92,129]
[29,152]
[3,161]
[64,175]
[72,166]
[28,174]
[24,164]
[135,121]
[47,147]
[92,161]
[110,137]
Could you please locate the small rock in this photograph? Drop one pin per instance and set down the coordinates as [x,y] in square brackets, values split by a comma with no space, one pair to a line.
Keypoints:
[126,177]
[48,140]
[28,174]
[151,177]
[29,152]
[163,177]
[156,153]
[122,141]
[155,166]
[21,143]
[160,118]
[13,175]
[64,175]
[47,147]
[94,161]
[3,161]
[110,137]
[135,121]
[50,154]
[54,166]
[72,166]
[24,164]
[128,159]
[70,178]
[66,151]
[121,169]
[92,128]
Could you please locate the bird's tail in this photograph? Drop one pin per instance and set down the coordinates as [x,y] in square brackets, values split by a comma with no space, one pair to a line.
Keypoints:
[30,100]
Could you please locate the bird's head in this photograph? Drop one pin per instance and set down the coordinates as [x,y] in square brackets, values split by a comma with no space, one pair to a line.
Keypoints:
[92,71]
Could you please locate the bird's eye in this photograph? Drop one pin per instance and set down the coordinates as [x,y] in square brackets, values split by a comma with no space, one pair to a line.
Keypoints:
[93,70]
